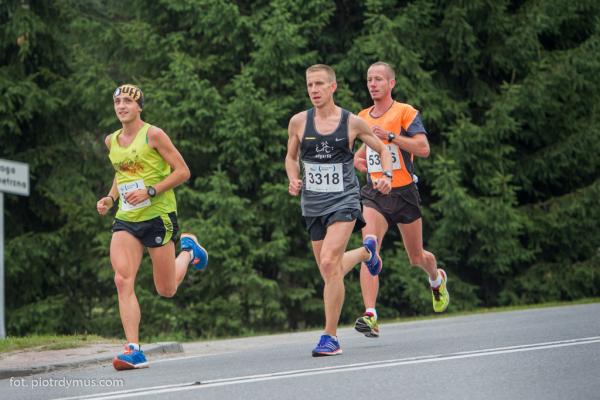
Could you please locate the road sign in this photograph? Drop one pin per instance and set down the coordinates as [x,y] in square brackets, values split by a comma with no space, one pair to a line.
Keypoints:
[14,178]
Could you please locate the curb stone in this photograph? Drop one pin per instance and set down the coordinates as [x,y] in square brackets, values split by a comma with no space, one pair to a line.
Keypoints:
[154,348]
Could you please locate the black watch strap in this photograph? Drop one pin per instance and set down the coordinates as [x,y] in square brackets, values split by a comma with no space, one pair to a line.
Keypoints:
[151,191]
[388,174]
[391,137]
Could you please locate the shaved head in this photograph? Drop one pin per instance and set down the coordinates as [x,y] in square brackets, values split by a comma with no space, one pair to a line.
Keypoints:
[322,67]
[391,75]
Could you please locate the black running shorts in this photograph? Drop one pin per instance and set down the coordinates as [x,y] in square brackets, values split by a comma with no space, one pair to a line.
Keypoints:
[317,226]
[400,206]
[155,232]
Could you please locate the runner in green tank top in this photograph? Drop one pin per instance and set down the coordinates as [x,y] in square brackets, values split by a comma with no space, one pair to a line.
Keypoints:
[147,168]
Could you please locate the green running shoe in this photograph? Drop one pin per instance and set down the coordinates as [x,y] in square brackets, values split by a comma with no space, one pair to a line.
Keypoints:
[367,325]
[441,297]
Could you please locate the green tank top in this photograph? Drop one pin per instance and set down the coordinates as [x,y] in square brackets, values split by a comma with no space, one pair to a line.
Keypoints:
[138,166]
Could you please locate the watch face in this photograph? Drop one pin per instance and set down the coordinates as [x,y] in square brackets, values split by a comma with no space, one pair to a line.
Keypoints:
[151,191]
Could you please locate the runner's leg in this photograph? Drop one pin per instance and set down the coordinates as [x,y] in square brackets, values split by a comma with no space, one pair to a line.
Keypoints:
[330,265]
[168,271]
[412,236]
[353,257]
[126,255]
[369,284]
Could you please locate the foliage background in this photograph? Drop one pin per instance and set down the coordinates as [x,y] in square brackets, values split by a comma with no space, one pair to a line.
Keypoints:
[509,92]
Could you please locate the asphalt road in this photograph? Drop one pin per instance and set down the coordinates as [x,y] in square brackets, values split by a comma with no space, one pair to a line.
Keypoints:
[550,353]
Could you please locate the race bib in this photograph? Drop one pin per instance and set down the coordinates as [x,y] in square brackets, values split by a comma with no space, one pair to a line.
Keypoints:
[129,187]
[325,178]
[374,161]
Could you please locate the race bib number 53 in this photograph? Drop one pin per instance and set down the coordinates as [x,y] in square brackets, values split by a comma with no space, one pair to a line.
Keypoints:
[374,161]
[325,178]
[130,187]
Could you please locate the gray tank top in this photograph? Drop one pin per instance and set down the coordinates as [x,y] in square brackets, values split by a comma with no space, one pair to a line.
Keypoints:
[329,182]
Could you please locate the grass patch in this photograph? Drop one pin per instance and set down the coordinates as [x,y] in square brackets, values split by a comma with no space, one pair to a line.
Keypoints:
[58,342]
[49,342]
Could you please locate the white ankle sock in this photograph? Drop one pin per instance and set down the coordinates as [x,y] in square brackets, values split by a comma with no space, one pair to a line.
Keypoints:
[437,282]
[191,253]
[372,311]
[136,346]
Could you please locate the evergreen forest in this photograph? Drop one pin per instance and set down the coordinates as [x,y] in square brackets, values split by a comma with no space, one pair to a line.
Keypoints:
[509,92]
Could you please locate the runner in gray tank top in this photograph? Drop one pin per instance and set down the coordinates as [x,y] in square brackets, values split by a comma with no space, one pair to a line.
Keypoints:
[329,181]
[323,139]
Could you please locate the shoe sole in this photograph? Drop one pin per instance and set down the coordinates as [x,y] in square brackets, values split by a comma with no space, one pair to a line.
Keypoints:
[446,281]
[365,329]
[319,354]
[195,239]
[121,365]
[374,273]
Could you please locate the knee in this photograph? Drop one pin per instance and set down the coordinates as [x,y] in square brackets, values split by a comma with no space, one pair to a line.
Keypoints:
[123,283]
[166,291]
[331,269]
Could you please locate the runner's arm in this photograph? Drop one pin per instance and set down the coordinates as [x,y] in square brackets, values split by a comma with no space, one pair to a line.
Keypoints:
[108,201]
[292,165]
[180,172]
[360,159]
[417,144]
[366,135]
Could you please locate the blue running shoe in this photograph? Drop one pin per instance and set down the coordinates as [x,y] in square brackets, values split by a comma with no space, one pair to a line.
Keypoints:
[373,263]
[130,359]
[199,253]
[327,346]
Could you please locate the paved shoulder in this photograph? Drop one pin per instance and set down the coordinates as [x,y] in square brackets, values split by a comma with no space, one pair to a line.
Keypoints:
[31,362]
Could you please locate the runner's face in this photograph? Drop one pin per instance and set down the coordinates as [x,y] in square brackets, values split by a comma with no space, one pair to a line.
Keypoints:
[126,108]
[320,88]
[378,82]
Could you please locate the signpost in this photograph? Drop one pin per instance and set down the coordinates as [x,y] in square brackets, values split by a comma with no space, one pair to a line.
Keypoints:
[14,178]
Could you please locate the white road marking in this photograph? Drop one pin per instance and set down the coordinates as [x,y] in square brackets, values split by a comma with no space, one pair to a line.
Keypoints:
[163,360]
[154,390]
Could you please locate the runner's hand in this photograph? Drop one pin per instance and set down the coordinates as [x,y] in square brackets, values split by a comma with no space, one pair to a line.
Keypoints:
[380,133]
[383,184]
[135,197]
[103,205]
[295,187]
[360,164]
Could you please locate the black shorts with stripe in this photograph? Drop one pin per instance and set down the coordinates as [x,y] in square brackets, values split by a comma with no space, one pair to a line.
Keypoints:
[155,232]
[400,206]
[317,226]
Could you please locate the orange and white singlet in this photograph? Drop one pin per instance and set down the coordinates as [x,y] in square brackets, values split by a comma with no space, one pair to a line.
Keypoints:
[402,120]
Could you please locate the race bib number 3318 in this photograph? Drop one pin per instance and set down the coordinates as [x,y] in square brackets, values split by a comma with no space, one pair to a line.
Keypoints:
[327,178]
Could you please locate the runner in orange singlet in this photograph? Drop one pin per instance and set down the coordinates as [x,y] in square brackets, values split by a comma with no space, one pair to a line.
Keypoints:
[399,126]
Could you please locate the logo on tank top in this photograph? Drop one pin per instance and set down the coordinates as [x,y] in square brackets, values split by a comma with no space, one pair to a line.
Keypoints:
[323,150]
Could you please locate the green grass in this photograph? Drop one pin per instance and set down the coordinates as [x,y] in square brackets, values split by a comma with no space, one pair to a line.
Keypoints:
[49,342]
[57,342]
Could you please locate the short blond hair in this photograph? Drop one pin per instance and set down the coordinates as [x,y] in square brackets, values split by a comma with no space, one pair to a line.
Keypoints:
[322,67]
[390,70]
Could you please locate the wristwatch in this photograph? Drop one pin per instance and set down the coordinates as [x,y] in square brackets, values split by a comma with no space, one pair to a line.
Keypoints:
[391,137]
[388,174]
[151,191]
